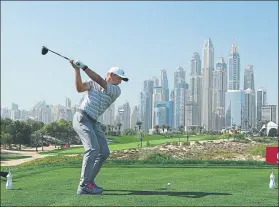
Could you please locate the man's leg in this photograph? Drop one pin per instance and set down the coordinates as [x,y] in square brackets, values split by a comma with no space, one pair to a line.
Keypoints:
[84,129]
[104,150]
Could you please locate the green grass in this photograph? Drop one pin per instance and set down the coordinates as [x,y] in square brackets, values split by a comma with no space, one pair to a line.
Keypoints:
[153,140]
[12,157]
[142,186]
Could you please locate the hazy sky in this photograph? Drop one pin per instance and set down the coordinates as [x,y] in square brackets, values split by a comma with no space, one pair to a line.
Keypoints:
[141,37]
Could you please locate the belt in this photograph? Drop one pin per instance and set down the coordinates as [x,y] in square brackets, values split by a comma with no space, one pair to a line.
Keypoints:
[86,115]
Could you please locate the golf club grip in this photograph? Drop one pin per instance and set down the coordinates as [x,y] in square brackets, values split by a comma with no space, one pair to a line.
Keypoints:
[58,54]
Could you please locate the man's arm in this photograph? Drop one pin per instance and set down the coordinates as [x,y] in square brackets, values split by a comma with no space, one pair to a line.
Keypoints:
[80,86]
[96,77]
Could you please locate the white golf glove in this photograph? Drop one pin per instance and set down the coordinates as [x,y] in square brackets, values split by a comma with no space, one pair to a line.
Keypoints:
[79,64]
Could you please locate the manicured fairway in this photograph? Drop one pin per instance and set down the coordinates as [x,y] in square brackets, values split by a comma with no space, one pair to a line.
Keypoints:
[142,186]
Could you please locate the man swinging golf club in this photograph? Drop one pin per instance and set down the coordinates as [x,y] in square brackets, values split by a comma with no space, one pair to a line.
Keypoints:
[99,95]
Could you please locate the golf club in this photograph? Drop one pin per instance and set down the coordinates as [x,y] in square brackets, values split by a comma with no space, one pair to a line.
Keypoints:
[45,51]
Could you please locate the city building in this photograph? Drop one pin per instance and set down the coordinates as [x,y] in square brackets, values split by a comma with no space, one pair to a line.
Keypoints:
[156,96]
[219,91]
[135,117]
[192,115]
[163,113]
[249,109]
[145,108]
[268,113]
[124,112]
[68,102]
[165,85]
[195,93]
[261,101]
[249,78]
[207,85]
[180,101]
[234,110]
[234,69]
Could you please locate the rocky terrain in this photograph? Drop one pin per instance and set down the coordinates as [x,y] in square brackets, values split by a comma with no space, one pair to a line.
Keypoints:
[206,150]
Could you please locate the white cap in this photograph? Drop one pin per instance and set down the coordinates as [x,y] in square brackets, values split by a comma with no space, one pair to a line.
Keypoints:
[118,71]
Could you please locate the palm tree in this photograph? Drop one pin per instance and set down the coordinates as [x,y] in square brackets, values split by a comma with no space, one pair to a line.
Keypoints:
[119,127]
[163,127]
[181,127]
[139,123]
[157,129]
[168,127]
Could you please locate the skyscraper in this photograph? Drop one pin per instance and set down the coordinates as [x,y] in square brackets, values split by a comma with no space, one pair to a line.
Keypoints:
[146,110]
[180,101]
[195,91]
[261,101]
[234,108]
[180,97]
[207,70]
[14,106]
[234,69]
[179,76]
[196,64]
[134,117]
[146,104]
[219,91]
[249,109]
[156,96]
[269,113]
[156,81]
[249,78]
[165,85]
[193,108]
[68,102]
[108,116]
[124,112]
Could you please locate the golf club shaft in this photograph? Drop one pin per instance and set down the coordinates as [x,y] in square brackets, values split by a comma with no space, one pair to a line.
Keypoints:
[58,54]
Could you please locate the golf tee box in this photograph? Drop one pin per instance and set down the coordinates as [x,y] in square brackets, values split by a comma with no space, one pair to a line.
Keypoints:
[272,155]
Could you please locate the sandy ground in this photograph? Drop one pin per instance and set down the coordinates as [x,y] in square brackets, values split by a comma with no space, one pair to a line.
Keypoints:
[32,152]
[25,152]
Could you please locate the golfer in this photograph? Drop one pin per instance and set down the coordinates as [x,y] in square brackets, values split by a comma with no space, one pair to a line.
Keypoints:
[99,95]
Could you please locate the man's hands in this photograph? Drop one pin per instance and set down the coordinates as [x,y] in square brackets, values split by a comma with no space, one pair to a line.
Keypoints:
[78,64]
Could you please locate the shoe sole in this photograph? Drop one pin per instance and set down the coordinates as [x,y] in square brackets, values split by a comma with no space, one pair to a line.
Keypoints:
[86,193]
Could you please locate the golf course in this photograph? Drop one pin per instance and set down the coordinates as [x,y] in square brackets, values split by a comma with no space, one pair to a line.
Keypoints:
[53,180]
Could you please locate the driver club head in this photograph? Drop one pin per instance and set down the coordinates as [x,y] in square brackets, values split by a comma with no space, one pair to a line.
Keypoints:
[44,50]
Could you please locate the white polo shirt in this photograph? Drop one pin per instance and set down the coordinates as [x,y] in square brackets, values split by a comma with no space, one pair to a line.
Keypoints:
[96,100]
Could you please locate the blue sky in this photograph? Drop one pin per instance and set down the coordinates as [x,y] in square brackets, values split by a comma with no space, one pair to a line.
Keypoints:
[141,37]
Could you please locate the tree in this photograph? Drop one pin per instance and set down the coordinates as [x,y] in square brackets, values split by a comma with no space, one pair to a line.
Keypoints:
[140,136]
[181,129]
[36,139]
[42,132]
[52,130]
[139,123]
[6,124]
[157,129]
[108,129]
[163,127]
[119,127]
[6,140]
[34,125]
[18,134]
[103,127]
[168,127]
